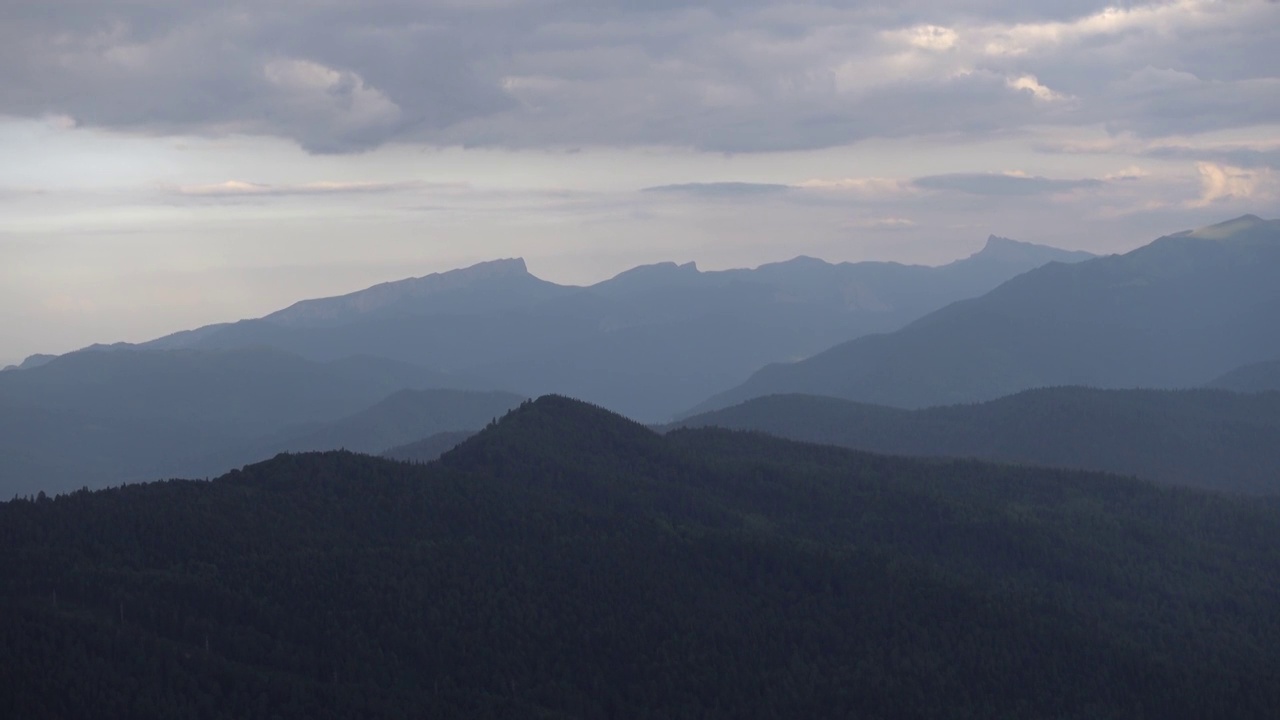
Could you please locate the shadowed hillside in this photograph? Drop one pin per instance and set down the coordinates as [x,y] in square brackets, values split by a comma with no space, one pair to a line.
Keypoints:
[566,562]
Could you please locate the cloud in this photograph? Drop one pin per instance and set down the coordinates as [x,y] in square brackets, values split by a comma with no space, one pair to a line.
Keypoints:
[1219,183]
[863,185]
[20,193]
[1007,184]
[721,189]
[874,189]
[749,76]
[886,223]
[1030,84]
[1133,172]
[1242,155]
[239,188]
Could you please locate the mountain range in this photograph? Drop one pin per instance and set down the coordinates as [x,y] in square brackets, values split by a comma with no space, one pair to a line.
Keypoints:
[1206,438]
[1176,313]
[566,562]
[100,417]
[646,343]
[1187,310]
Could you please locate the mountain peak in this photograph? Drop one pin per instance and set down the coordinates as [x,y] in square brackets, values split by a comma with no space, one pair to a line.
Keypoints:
[401,293]
[489,268]
[1229,228]
[659,269]
[650,276]
[995,243]
[33,361]
[553,426]
[1005,250]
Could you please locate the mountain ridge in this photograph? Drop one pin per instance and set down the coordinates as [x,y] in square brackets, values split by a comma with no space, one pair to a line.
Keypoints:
[1174,313]
[1205,438]
[646,342]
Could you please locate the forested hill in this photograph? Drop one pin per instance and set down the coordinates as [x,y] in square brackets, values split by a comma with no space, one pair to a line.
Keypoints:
[1207,438]
[566,562]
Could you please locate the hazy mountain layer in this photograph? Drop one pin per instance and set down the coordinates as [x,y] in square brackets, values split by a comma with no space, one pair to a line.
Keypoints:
[569,563]
[1205,438]
[405,417]
[647,343]
[428,448]
[101,417]
[1257,377]
[1176,313]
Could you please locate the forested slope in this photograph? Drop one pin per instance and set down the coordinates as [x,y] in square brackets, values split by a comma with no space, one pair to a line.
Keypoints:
[566,562]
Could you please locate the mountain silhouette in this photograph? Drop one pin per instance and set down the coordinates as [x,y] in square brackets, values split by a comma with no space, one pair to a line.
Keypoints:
[1205,438]
[647,342]
[1255,377]
[105,416]
[1178,312]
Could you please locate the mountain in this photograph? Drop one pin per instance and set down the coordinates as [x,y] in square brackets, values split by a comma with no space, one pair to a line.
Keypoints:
[1175,313]
[255,387]
[1205,438]
[1257,377]
[404,417]
[565,562]
[429,448]
[487,287]
[646,342]
[32,361]
[102,417]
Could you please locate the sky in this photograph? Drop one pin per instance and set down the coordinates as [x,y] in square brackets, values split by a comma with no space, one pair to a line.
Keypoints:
[173,163]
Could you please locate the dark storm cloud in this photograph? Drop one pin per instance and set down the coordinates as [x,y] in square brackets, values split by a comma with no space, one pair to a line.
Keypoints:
[722,76]
[999,184]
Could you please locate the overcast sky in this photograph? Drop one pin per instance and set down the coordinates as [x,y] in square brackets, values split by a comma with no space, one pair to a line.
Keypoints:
[170,163]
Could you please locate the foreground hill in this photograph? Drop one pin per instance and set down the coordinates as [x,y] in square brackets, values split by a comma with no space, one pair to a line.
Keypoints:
[646,343]
[568,563]
[1176,313]
[1210,439]
[105,416]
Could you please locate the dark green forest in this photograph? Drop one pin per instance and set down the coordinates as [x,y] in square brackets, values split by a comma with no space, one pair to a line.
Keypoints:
[568,563]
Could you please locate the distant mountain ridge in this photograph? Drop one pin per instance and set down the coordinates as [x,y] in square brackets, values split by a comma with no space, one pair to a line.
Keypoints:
[1205,438]
[401,418]
[1255,377]
[1175,313]
[485,287]
[646,342]
[429,448]
[106,416]
[31,361]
